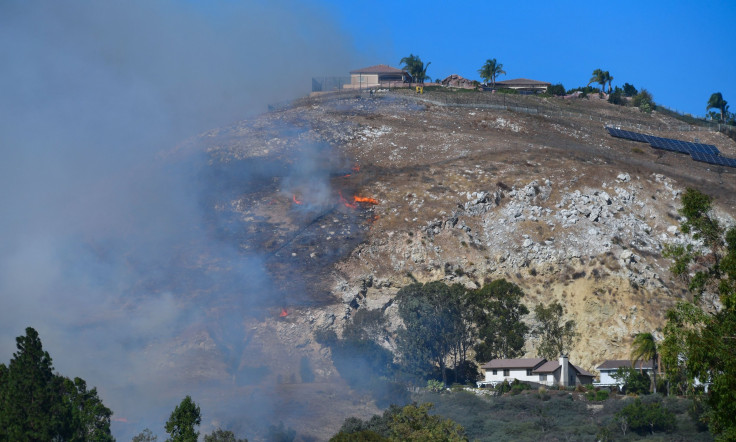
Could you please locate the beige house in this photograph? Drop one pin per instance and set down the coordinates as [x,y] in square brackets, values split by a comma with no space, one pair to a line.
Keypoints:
[524,85]
[380,75]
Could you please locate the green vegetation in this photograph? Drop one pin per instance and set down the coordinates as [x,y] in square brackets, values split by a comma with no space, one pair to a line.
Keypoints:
[649,417]
[490,70]
[645,349]
[416,67]
[182,421]
[410,423]
[634,381]
[629,90]
[442,322]
[601,77]
[644,101]
[556,89]
[220,435]
[699,336]
[716,101]
[36,404]
[554,337]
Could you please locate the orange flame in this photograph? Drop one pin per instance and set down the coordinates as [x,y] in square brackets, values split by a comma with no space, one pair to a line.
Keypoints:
[296,201]
[284,313]
[344,201]
[356,167]
[361,199]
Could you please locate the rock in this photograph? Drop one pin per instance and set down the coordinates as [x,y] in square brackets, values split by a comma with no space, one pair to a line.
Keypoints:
[672,230]
[624,177]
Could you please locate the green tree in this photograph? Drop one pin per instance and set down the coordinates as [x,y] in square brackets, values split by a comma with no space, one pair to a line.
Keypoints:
[431,321]
[416,68]
[145,436]
[220,435]
[31,406]
[649,417]
[490,70]
[554,336]
[414,423]
[644,101]
[556,89]
[498,312]
[182,421]
[716,101]
[633,381]
[599,76]
[644,348]
[700,335]
[90,419]
[630,90]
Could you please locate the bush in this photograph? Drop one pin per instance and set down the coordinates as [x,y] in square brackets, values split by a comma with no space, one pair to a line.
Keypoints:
[617,97]
[644,418]
[556,89]
[601,395]
[634,381]
[629,90]
[644,101]
[435,386]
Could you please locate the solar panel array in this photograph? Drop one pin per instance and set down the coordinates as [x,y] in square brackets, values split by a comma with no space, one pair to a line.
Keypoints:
[706,153]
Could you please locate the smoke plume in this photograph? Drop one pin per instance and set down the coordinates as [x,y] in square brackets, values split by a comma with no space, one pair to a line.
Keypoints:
[105,229]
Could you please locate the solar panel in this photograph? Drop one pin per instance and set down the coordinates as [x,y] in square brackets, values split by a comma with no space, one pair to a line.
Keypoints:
[713,159]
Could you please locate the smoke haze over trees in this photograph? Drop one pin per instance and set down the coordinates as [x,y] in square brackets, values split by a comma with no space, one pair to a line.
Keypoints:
[100,212]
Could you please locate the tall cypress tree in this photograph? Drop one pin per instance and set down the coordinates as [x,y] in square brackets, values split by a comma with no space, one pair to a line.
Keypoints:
[29,407]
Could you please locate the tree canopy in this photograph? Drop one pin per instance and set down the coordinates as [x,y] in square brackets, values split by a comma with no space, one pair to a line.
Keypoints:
[416,67]
[700,335]
[644,348]
[490,70]
[183,420]
[554,336]
[36,404]
[716,101]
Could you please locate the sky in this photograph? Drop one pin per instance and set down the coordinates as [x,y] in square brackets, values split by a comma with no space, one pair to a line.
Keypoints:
[102,211]
[680,51]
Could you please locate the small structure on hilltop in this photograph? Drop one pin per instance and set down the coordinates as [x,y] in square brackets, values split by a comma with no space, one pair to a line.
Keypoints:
[535,370]
[524,85]
[380,75]
[455,80]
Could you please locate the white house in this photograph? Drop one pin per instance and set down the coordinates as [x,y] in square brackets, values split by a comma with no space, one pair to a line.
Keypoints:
[380,75]
[610,366]
[536,370]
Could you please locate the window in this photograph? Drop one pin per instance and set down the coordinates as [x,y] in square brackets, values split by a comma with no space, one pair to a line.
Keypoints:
[495,372]
[505,371]
[528,371]
[542,377]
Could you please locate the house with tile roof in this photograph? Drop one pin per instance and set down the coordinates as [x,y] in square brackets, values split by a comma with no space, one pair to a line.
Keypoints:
[380,75]
[535,370]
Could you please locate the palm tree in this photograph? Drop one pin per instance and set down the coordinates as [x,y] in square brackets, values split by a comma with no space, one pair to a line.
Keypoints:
[716,101]
[599,77]
[645,349]
[491,70]
[416,68]
[609,79]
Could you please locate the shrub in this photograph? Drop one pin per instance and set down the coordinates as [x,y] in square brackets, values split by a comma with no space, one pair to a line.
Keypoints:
[644,418]
[435,386]
[644,101]
[629,90]
[601,395]
[556,89]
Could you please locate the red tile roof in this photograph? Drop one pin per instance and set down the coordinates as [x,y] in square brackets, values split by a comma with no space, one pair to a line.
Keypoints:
[614,364]
[379,69]
[513,363]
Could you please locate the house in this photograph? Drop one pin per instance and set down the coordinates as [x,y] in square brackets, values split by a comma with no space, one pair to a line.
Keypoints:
[380,75]
[535,370]
[524,85]
[609,367]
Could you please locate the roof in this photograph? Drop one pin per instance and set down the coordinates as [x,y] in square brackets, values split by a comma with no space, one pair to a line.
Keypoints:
[614,364]
[582,372]
[513,363]
[522,82]
[378,69]
[548,367]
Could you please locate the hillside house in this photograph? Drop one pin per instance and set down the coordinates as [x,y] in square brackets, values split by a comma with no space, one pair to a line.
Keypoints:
[535,370]
[380,75]
[524,85]
[609,367]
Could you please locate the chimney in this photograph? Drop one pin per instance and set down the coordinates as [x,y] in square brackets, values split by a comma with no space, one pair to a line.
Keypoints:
[564,371]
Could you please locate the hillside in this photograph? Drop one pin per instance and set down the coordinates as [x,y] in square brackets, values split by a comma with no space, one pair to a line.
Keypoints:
[544,198]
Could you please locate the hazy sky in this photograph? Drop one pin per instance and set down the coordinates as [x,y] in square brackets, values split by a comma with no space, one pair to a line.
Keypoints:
[681,51]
